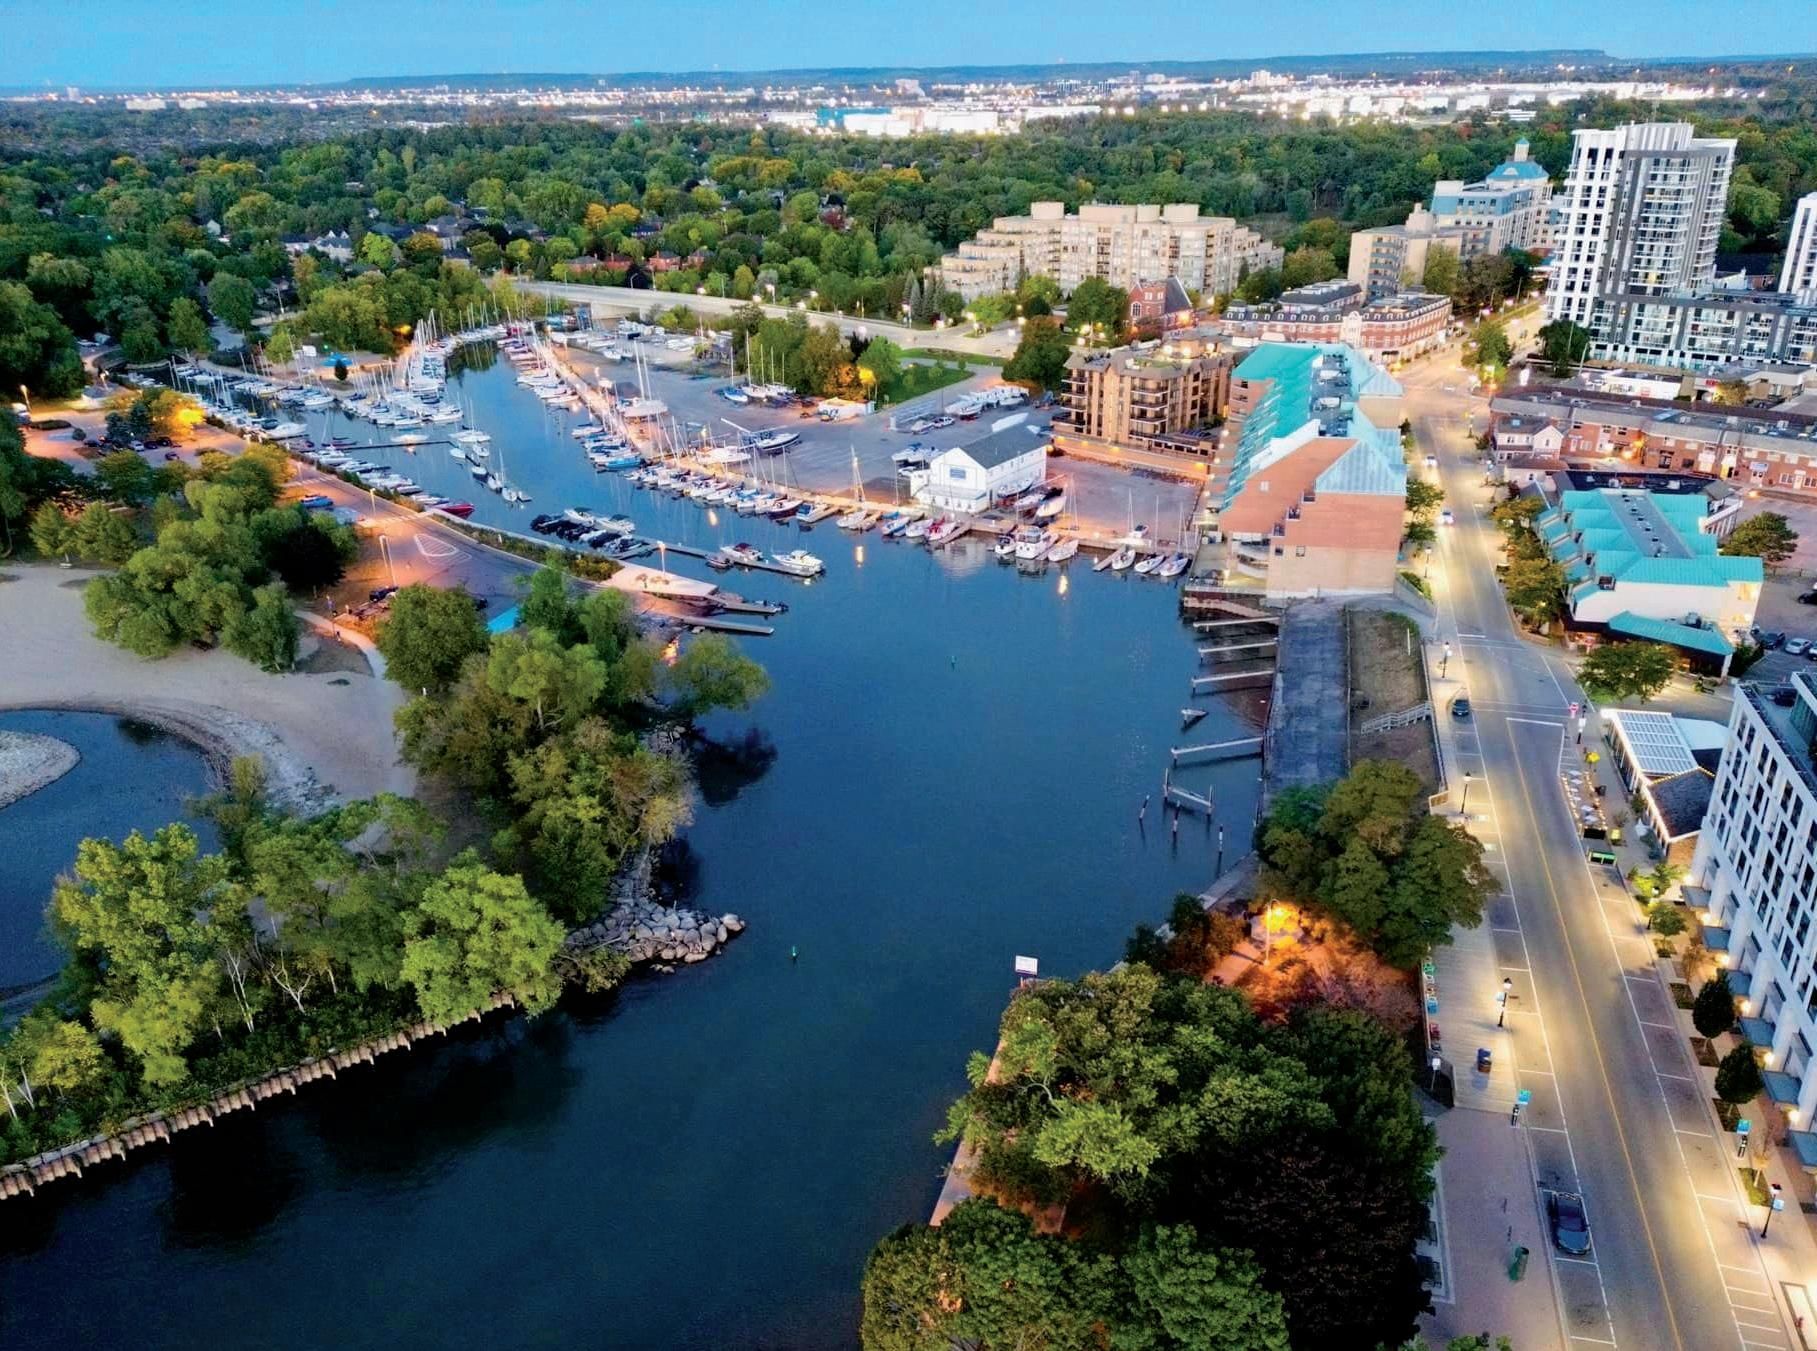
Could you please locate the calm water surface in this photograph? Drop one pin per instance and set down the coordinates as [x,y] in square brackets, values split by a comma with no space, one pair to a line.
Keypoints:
[131,777]
[960,754]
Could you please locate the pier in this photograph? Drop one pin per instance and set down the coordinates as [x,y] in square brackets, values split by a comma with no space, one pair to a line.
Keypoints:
[1231,680]
[1244,622]
[1211,751]
[1240,650]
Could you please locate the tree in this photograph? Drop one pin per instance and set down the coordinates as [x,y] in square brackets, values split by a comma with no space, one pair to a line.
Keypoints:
[1306,265]
[137,908]
[1738,1078]
[1041,355]
[308,551]
[428,636]
[266,633]
[377,250]
[48,1054]
[103,536]
[233,300]
[1442,271]
[187,329]
[340,369]
[712,673]
[475,933]
[1628,670]
[37,349]
[1423,499]
[1768,537]
[51,530]
[1095,303]
[125,477]
[1713,1011]
[1535,588]
[1489,347]
[1565,344]
[882,360]
[1666,919]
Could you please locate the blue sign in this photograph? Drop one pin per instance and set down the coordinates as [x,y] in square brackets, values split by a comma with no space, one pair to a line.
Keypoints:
[1524,1097]
[1743,1126]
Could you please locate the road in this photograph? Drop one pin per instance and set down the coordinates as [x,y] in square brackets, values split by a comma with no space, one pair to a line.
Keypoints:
[1617,1112]
[999,342]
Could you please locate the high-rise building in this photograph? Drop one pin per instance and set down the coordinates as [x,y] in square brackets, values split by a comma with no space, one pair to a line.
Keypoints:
[1755,876]
[1637,225]
[1506,209]
[1123,245]
[1148,397]
[1392,259]
[1800,270]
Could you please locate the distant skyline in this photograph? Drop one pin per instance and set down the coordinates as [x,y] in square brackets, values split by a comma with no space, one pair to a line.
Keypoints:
[100,44]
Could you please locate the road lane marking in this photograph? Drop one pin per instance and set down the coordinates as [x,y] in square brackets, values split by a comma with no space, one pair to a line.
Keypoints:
[1579,1261]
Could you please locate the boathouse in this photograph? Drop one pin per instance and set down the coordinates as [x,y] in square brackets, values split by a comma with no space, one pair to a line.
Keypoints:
[970,478]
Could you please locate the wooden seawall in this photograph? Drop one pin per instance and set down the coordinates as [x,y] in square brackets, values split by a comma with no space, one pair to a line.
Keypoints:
[24,1179]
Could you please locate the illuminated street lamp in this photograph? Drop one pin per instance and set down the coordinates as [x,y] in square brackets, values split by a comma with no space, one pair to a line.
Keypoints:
[385,548]
[1464,806]
[1502,999]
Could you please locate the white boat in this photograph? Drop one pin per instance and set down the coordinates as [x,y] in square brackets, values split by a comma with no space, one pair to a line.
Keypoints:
[1121,559]
[1032,544]
[918,529]
[479,471]
[818,512]
[1051,508]
[494,482]
[799,563]
[1173,566]
[587,429]
[580,516]
[852,520]
[1062,551]
[478,452]
[515,495]
[1135,539]
[470,438]
[1005,547]
[411,439]
[1031,499]
[946,532]
[457,452]
[1150,563]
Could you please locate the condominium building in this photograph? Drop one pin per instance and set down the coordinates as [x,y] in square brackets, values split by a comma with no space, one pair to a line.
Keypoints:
[1755,876]
[1391,260]
[1634,248]
[1391,328]
[1148,397]
[1506,209]
[1122,245]
[1799,275]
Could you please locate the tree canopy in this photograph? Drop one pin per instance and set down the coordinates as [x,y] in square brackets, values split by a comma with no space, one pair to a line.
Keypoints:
[1627,670]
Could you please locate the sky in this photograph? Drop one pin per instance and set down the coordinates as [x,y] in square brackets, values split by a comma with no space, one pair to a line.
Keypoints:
[145,43]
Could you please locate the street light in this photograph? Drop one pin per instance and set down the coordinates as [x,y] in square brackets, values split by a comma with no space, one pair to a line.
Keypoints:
[1506,995]
[385,548]
[1463,808]
[1445,663]
[1774,1202]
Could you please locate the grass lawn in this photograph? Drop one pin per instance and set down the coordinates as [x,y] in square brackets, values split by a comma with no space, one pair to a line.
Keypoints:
[946,354]
[913,380]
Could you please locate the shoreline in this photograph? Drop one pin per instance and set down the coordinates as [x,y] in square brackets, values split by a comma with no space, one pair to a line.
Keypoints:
[30,761]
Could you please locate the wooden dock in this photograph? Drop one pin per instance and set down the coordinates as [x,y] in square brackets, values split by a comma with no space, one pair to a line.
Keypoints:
[1207,625]
[1231,680]
[1211,751]
[1239,650]
[1175,796]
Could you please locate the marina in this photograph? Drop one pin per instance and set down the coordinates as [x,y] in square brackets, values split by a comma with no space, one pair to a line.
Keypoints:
[686,1115]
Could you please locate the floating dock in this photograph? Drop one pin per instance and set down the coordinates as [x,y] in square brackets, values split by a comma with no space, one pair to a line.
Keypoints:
[1231,680]
[1240,650]
[1237,749]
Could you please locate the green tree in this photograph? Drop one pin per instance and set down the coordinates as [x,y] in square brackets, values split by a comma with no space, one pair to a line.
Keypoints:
[1442,272]
[51,530]
[266,632]
[187,329]
[1423,499]
[103,536]
[428,636]
[1565,345]
[377,250]
[1041,355]
[882,359]
[233,300]
[474,933]
[136,909]
[1535,587]
[1306,265]
[712,673]
[1666,919]
[1628,670]
[1713,1011]
[37,349]
[46,1054]
[1490,348]
[1096,304]
[1738,1078]
[1768,537]
[126,477]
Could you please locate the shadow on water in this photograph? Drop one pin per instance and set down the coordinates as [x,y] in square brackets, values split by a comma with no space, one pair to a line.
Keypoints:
[723,769]
[141,733]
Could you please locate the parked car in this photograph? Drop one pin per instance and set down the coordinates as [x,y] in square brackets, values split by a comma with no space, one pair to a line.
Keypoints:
[1570,1226]
[1460,706]
[1446,518]
[1797,647]
[379,593]
[1770,639]
[1808,598]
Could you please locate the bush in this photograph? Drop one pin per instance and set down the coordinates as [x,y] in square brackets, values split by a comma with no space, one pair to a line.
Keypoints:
[1714,1012]
[1738,1078]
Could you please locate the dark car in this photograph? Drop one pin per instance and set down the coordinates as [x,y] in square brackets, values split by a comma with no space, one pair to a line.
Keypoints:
[379,593]
[1460,706]
[1783,695]
[1771,638]
[1808,598]
[1570,1227]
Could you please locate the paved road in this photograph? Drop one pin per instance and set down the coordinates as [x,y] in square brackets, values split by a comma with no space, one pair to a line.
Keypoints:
[999,342]
[1616,1109]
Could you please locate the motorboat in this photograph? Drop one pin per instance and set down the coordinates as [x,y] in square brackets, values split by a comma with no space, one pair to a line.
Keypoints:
[788,506]
[870,519]
[1005,547]
[1173,566]
[461,509]
[1121,559]
[918,529]
[495,483]
[411,439]
[777,439]
[1032,544]
[580,516]
[515,495]
[897,525]
[742,553]
[812,512]
[587,429]
[470,438]
[617,525]
[946,532]
[852,520]
[1062,551]
[799,563]
[1029,500]
[479,471]
[1150,563]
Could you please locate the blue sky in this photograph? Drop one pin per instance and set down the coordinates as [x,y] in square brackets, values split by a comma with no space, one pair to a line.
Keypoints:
[138,43]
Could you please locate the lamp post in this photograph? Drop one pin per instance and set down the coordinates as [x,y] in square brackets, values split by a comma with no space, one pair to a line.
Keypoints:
[1774,1202]
[385,548]
[1502,999]
[1445,662]
[1463,808]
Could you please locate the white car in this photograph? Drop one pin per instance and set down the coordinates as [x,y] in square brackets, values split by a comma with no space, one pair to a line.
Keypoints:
[1797,647]
[1446,518]
[1432,462]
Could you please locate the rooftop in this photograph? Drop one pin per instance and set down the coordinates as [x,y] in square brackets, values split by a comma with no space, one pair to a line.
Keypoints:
[1001,446]
[1794,728]
[1634,535]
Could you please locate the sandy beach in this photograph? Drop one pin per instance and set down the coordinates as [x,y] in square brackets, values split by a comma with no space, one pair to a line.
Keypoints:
[322,735]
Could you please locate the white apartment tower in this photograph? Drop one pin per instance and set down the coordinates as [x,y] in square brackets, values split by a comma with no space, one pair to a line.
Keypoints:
[1638,219]
[1800,271]
[1755,874]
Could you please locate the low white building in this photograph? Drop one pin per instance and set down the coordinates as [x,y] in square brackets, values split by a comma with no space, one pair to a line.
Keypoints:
[970,478]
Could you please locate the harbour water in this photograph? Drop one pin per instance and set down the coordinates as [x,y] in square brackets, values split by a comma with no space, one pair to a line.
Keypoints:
[131,777]
[952,764]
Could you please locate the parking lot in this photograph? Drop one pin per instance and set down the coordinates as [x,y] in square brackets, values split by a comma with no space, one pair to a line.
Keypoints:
[831,457]
[1780,612]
